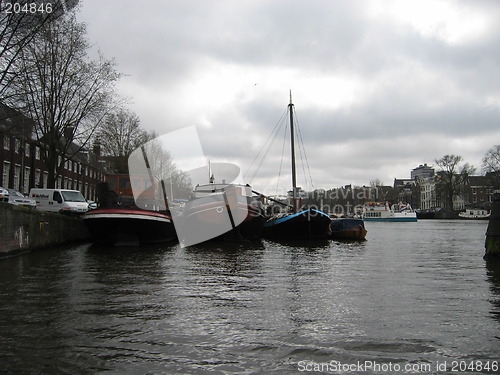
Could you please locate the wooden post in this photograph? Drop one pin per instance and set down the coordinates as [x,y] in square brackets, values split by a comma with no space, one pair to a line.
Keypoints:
[492,243]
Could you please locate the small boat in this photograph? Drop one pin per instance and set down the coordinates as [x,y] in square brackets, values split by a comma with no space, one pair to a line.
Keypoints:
[348,229]
[298,223]
[380,211]
[475,214]
[125,227]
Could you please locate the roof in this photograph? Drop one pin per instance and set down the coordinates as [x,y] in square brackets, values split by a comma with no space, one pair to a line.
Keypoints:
[478,181]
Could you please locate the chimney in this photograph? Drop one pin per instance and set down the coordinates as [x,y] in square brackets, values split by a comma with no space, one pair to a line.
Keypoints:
[68,132]
[97,148]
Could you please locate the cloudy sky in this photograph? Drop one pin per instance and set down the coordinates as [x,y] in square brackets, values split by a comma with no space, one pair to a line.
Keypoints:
[379,87]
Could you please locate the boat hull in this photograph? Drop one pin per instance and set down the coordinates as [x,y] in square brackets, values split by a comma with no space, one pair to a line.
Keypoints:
[307,224]
[379,211]
[129,227]
[243,222]
[393,219]
[348,229]
[390,216]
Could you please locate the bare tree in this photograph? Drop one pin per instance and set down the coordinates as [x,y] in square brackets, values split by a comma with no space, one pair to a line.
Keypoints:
[491,160]
[63,91]
[119,135]
[20,22]
[454,176]
[376,183]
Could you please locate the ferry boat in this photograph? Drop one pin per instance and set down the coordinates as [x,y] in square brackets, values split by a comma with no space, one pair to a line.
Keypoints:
[474,214]
[380,211]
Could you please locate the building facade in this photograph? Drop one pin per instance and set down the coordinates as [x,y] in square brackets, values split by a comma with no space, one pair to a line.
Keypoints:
[22,167]
[428,192]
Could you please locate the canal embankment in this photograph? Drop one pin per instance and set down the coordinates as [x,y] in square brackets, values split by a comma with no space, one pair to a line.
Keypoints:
[23,229]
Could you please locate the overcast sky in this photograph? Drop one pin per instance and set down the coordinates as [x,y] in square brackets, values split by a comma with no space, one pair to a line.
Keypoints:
[379,87]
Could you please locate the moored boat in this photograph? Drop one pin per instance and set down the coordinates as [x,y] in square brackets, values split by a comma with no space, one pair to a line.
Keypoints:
[475,214]
[118,221]
[112,226]
[304,224]
[380,211]
[222,212]
[298,223]
[348,229]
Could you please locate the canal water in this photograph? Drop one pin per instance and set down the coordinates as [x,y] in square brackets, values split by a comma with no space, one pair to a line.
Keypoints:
[413,298]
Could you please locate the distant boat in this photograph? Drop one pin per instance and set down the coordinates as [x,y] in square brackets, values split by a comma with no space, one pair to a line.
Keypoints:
[380,211]
[474,214]
[299,223]
[125,227]
[348,229]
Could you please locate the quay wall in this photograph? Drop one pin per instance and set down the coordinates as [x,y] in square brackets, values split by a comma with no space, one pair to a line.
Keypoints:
[24,229]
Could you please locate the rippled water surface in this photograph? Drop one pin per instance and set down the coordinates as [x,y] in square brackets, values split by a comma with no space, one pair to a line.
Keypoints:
[415,294]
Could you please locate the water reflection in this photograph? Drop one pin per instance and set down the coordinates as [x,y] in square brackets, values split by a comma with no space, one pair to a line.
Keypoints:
[404,296]
[493,275]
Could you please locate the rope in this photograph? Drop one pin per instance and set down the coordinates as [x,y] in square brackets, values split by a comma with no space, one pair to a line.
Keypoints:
[303,150]
[266,147]
[267,144]
[282,156]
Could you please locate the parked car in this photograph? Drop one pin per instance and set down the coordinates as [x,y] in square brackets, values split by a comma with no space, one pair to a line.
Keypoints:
[92,205]
[17,198]
[4,195]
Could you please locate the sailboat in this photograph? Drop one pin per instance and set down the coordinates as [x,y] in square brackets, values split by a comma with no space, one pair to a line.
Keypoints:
[298,223]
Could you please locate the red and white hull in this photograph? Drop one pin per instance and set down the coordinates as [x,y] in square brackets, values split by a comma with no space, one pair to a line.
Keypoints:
[129,226]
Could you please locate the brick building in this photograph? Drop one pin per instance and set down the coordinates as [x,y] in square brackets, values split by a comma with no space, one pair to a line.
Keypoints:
[21,165]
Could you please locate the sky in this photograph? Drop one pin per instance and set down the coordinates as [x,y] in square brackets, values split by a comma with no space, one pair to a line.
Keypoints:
[379,87]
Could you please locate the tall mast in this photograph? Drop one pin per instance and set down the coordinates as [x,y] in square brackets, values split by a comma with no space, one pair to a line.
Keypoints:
[294,176]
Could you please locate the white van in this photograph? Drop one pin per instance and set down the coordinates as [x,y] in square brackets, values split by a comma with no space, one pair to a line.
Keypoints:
[60,200]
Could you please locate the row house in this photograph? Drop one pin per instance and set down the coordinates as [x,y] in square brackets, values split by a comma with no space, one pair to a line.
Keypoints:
[480,192]
[475,192]
[22,168]
[426,191]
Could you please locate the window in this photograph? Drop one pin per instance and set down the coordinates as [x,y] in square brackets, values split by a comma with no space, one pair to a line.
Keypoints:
[26,187]
[17,146]
[5,174]
[27,149]
[45,178]
[38,177]
[73,196]
[6,142]
[37,153]
[17,175]
[57,197]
